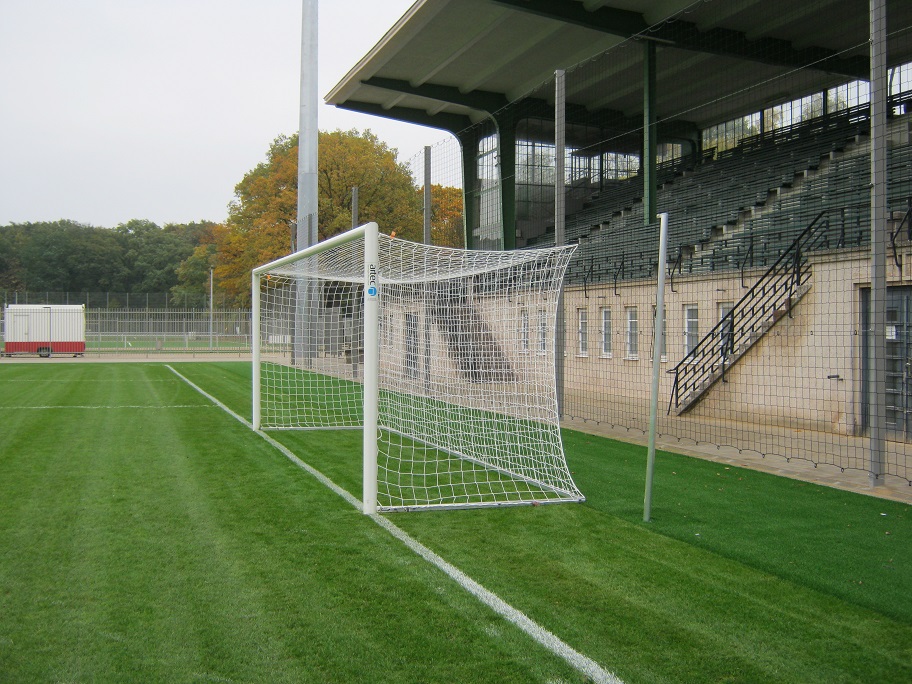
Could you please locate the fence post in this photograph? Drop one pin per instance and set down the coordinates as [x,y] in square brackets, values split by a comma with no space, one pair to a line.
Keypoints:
[878,326]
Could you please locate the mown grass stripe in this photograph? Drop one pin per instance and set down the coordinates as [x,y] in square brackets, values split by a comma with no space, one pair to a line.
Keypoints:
[554,644]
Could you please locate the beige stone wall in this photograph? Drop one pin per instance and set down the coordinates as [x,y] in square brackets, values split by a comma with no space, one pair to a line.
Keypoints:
[804,374]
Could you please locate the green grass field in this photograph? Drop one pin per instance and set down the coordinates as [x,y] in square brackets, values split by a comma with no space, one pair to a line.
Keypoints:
[147,535]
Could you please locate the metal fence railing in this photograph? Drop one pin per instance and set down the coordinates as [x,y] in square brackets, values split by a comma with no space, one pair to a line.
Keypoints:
[117,300]
[110,331]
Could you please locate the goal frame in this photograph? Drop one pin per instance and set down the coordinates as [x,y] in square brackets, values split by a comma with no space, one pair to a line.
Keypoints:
[372,284]
[416,451]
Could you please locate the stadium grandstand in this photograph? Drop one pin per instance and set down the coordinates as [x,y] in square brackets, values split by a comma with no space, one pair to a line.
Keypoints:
[776,137]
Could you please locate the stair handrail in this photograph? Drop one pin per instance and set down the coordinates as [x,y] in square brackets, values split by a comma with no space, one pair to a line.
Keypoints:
[907,218]
[775,287]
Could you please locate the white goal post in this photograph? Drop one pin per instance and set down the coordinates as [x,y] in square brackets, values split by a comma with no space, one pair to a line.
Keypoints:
[444,358]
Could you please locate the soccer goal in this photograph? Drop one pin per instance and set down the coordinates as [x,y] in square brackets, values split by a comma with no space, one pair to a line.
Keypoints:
[444,357]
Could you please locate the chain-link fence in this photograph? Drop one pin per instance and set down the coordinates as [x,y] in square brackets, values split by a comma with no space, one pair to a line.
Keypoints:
[785,168]
[116,300]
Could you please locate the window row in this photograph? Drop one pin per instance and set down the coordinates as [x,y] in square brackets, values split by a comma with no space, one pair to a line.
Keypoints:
[608,329]
[631,330]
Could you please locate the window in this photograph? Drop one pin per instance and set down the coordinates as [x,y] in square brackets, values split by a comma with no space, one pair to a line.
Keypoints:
[606,332]
[582,332]
[663,349]
[691,327]
[632,333]
[728,134]
[617,166]
[524,330]
[542,332]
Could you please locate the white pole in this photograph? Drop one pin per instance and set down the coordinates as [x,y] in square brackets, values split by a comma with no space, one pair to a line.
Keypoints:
[211,308]
[255,345]
[656,362]
[308,132]
[427,194]
[372,286]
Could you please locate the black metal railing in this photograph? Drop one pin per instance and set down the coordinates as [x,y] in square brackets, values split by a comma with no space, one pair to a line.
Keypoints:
[770,298]
[905,221]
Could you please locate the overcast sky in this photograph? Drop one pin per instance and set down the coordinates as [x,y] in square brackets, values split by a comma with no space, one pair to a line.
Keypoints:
[155,109]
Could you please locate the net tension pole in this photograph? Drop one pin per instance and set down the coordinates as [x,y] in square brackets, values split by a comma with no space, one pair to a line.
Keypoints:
[658,328]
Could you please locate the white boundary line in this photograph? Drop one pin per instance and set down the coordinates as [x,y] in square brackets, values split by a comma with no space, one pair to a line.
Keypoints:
[577,660]
[106,408]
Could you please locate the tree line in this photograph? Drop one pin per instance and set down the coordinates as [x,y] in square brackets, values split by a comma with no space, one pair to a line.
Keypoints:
[140,256]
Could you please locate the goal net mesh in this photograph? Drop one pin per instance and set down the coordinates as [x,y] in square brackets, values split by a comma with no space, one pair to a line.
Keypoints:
[467,396]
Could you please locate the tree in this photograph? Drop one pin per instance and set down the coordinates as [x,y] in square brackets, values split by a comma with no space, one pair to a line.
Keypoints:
[386,190]
[262,217]
[447,226]
[65,256]
[193,272]
[11,271]
[152,255]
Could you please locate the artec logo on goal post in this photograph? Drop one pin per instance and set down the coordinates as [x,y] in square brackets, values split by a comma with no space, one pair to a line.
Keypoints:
[372,289]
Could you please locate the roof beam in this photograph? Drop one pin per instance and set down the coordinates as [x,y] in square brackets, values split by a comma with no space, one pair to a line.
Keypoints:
[476,99]
[454,123]
[489,102]
[774,51]
[618,22]
[686,35]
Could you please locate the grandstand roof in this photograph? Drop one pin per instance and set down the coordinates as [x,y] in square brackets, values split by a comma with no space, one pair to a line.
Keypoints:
[450,63]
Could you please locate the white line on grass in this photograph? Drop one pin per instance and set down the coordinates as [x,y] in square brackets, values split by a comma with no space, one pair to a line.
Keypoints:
[106,408]
[558,647]
[87,381]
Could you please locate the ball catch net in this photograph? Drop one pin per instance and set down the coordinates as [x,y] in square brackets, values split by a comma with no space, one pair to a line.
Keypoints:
[466,402]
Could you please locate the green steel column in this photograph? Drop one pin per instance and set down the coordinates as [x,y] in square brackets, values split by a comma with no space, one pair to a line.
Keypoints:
[468,140]
[648,162]
[506,135]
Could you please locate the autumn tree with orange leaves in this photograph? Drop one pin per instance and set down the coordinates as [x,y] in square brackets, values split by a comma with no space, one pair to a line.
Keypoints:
[447,227]
[262,218]
[261,221]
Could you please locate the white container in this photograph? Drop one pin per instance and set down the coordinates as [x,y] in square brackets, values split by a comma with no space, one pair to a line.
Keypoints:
[44,329]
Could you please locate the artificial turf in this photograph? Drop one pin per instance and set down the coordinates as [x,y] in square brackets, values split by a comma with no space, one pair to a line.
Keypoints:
[163,541]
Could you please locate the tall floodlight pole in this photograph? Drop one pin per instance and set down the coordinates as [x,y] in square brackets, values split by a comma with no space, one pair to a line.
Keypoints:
[308,136]
[308,132]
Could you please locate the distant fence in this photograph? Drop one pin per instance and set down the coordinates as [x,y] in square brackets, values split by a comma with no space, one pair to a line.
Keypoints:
[165,330]
[116,300]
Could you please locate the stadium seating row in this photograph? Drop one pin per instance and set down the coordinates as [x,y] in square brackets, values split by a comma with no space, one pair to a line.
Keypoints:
[739,208]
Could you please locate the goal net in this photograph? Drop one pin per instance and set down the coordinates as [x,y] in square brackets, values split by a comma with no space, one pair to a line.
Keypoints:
[449,353]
